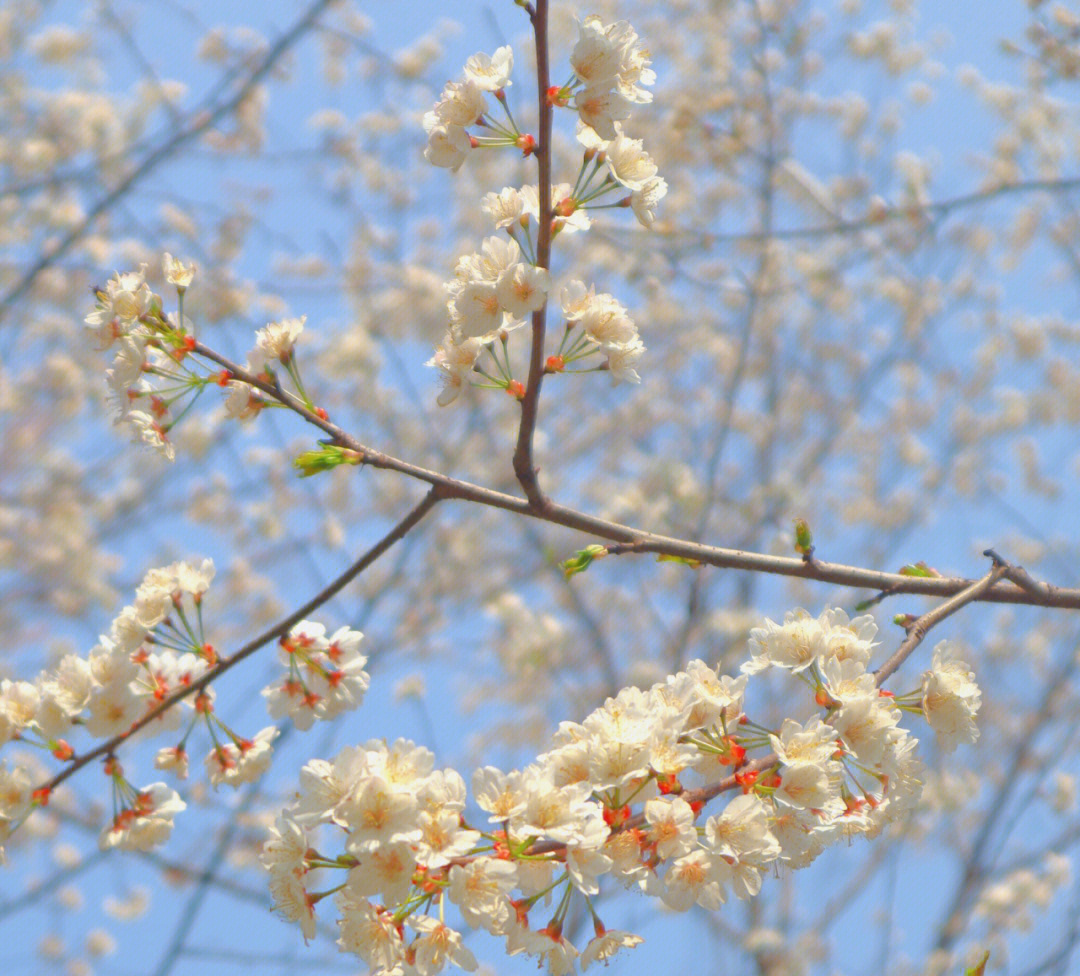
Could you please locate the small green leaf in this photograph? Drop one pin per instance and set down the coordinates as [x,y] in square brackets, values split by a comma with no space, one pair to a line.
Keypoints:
[804,538]
[582,559]
[920,569]
[664,557]
[326,457]
[979,969]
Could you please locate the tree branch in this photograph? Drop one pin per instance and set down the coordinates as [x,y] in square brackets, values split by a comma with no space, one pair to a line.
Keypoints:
[631,540]
[524,466]
[278,630]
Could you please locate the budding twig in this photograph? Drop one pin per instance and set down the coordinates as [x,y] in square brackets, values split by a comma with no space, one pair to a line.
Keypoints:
[921,626]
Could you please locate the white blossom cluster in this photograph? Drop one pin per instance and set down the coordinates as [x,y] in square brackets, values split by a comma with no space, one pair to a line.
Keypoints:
[621,794]
[464,104]
[492,292]
[148,378]
[127,674]
[325,675]
[129,313]
[155,648]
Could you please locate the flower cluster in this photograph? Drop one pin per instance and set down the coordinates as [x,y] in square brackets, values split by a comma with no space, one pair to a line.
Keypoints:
[151,381]
[834,652]
[602,324]
[464,104]
[611,66]
[155,648]
[492,292]
[274,343]
[621,794]
[144,818]
[325,675]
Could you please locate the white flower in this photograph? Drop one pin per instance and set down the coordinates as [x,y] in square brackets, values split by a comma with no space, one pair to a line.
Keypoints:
[601,109]
[950,699]
[523,289]
[241,762]
[671,827]
[18,704]
[813,743]
[505,207]
[115,702]
[569,215]
[612,54]
[645,199]
[480,888]
[606,943]
[628,163]
[476,313]
[292,902]
[795,644]
[447,146]
[575,300]
[243,401]
[147,823]
[276,341]
[491,72]
[369,932]
[867,724]
[437,945]
[595,58]
[621,360]
[496,255]
[126,298]
[174,758]
[849,639]
[503,795]
[455,360]
[283,852]
[606,322]
[696,877]
[127,368]
[177,273]
[194,580]
[442,838]
[462,103]
[64,693]
[152,431]
[16,792]
[375,813]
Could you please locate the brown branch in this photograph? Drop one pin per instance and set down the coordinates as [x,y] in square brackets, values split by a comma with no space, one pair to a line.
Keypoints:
[278,630]
[200,121]
[627,539]
[919,629]
[524,466]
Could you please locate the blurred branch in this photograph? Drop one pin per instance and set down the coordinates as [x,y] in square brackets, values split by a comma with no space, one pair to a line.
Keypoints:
[198,123]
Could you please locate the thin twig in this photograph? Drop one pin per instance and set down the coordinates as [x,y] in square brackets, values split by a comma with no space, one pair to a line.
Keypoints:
[919,629]
[278,630]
